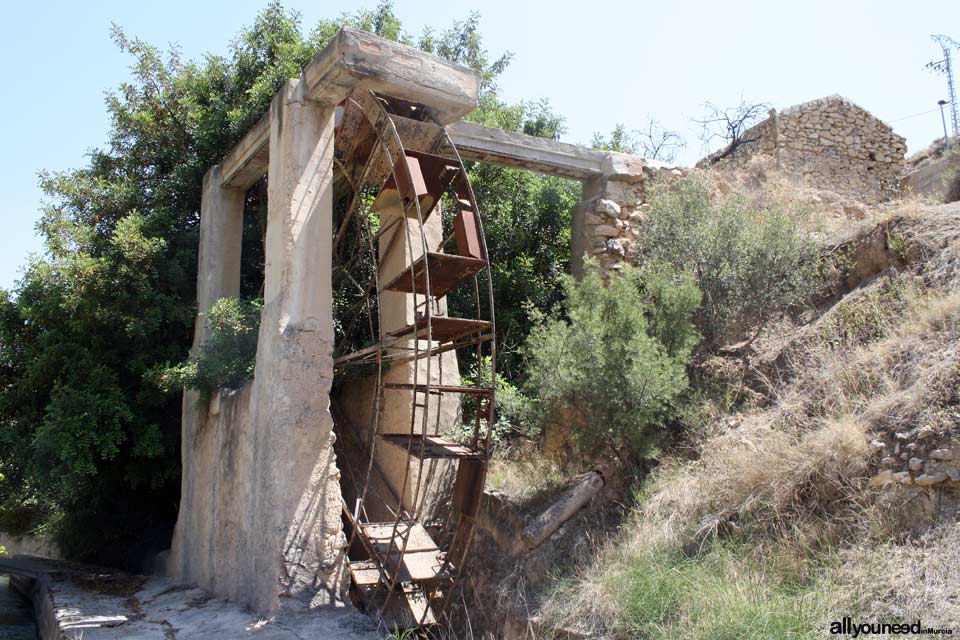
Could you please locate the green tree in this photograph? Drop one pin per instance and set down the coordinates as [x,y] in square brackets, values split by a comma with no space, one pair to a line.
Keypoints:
[3,549]
[619,140]
[615,367]
[88,442]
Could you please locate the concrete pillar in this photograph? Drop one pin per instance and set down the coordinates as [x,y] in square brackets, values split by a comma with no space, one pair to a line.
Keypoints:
[221,238]
[295,540]
[581,236]
[260,513]
[397,310]
[218,276]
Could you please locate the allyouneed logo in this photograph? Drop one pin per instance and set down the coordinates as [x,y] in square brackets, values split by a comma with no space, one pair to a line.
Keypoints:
[847,627]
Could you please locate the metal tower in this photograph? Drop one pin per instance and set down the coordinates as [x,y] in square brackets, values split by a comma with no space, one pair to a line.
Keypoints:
[945,67]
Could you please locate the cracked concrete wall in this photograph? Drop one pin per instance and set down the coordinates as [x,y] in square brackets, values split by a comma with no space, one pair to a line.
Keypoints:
[260,512]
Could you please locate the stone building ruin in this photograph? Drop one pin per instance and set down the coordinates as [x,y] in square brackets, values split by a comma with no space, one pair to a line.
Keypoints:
[830,143]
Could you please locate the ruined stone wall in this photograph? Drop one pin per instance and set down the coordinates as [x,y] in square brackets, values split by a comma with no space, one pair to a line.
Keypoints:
[611,217]
[831,144]
[607,225]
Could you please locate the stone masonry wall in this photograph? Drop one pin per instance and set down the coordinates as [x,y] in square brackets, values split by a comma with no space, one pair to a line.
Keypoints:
[607,226]
[830,143]
[611,217]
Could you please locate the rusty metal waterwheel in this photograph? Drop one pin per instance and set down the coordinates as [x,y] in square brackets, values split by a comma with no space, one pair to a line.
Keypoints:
[395,168]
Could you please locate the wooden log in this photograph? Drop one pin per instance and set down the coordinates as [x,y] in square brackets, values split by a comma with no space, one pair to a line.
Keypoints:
[578,494]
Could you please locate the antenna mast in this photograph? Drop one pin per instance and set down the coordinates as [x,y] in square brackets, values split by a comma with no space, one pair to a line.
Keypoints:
[945,67]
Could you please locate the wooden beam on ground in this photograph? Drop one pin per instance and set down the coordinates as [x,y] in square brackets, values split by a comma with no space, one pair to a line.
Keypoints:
[575,497]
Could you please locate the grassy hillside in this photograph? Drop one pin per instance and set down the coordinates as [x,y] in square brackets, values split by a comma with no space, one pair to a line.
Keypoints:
[793,504]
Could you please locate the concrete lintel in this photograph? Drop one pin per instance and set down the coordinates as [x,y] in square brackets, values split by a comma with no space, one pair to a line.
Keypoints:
[359,59]
[247,162]
[496,146]
[625,167]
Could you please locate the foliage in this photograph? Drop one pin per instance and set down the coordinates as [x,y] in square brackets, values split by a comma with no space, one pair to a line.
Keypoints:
[81,432]
[615,367]
[514,414]
[3,549]
[753,526]
[527,221]
[228,354]
[620,140]
[750,263]
[89,441]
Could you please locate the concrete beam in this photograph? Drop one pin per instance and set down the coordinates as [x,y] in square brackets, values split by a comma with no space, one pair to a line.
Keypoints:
[496,146]
[359,59]
[356,59]
[247,162]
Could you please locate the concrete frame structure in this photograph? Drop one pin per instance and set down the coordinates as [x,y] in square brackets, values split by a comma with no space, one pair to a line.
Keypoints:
[260,511]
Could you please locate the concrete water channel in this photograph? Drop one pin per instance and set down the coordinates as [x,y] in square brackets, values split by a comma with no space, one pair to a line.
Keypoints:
[16,615]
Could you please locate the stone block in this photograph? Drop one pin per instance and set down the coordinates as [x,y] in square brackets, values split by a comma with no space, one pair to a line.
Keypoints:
[606,230]
[931,479]
[607,208]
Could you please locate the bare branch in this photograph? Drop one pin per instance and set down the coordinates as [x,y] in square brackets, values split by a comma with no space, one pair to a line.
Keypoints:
[730,124]
[658,143]
[654,141]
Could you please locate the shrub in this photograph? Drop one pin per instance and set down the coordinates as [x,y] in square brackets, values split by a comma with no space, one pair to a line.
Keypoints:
[749,263]
[513,409]
[951,178]
[228,355]
[616,364]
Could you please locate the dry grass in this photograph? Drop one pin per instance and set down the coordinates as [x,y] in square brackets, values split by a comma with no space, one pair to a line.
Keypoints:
[740,524]
[824,213]
[523,475]
[915,580]
[759,480]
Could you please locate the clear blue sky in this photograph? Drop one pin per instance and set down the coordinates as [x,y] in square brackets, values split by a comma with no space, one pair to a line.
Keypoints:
[599,63]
